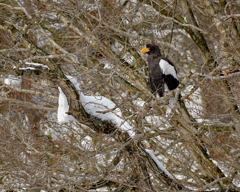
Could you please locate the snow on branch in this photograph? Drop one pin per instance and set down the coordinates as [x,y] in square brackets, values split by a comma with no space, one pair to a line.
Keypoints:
[159,164]
[35,66]
[63,108]
[97,106]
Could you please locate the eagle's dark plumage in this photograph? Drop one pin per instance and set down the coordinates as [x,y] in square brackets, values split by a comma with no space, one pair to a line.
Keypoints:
[162,74]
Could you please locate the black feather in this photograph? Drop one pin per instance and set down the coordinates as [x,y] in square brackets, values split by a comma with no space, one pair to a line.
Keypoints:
[156,76]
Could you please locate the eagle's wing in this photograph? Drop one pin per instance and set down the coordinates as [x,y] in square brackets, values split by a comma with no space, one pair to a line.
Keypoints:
[169,73]
[156,80]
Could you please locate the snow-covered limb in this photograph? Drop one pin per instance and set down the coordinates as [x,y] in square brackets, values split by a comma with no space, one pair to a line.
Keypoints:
[37,64]
[25,68]
[159,164]
[63,107]
[97,106]
[31,68]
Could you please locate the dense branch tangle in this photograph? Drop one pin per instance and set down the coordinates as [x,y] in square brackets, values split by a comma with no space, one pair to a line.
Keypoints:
[99,43]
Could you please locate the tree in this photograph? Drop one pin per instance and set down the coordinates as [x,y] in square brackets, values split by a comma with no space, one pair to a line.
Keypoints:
[99,43]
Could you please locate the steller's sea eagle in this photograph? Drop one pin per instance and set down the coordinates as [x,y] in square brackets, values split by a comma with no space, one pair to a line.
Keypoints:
[162,74]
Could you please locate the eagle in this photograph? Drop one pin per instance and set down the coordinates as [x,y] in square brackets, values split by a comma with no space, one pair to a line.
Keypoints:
[162,74]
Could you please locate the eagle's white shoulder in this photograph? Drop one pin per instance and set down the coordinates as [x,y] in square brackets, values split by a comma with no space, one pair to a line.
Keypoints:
[167,68]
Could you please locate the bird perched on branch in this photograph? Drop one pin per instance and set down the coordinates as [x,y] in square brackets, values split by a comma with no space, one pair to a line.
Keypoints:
[162,74]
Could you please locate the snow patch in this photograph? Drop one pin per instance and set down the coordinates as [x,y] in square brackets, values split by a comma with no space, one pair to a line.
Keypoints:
[37,65]
[13,81]
[63,107]
[159,164]
[106,110]
[97,106]
[194,104]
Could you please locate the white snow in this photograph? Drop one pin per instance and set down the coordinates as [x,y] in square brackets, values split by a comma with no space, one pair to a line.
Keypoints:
[194,104]
[97,106]
[31,68]
[167,68]
[159,164]
[63,107]
[119,49]
[104,109]
[172,103]
[25,68]
[13,81]
[37,65]
[139,102]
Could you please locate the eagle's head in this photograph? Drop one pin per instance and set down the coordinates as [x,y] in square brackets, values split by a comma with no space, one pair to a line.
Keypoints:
[151,49]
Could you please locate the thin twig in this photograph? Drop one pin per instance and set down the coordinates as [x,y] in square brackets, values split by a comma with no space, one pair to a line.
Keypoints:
[30,91]
[28,104]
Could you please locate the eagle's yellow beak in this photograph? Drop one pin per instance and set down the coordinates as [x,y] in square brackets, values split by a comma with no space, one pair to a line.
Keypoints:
[145,50]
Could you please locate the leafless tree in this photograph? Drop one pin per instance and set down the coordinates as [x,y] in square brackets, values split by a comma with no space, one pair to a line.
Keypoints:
[99,42]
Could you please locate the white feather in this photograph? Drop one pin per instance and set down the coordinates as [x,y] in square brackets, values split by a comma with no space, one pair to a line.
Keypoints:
[167,68]
[166,87]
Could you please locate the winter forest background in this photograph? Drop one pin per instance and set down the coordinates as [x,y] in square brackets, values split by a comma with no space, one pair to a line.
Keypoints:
[191,144]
